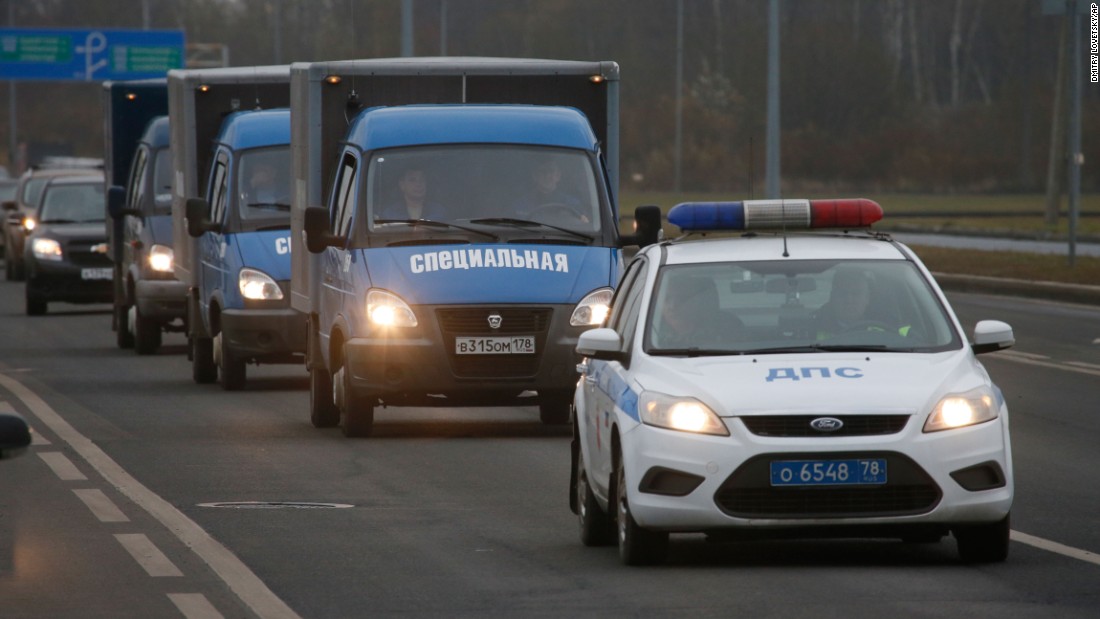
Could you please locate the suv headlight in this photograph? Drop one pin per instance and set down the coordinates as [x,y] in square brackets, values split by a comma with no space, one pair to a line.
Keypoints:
[161,258]
[385,309]
[29,224]
[961,410]
[46,249]
[258,286]
[592,309]
[683,414]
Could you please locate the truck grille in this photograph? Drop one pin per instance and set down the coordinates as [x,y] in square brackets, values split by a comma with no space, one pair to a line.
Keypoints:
[799,425]
[474,321]
[748,493]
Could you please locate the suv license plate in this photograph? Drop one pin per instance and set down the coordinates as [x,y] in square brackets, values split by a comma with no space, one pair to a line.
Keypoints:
[105,273]
[859,471]
[514,345]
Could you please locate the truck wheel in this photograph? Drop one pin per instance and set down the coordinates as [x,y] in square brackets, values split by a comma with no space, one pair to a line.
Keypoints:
[146,336]
[554,407]
[322,407]
[18,271]
[595,526]
[232,368]
[356,410]
[9,270]
[123,336]
[637,546]
[203,369]
[983,543]
[36,306]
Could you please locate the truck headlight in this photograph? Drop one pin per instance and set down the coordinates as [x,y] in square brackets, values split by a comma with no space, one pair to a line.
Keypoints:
[592,309]
[46,249]
[258,286]
[161,258]
[385,309]
[29,224]
[961,410]
[683,414]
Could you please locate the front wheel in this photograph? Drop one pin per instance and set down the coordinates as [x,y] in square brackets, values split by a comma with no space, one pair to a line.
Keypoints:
[123,336]
[637,546]
[232,368]
[554,407]
[323,412]
[983,543]
[147,336]
[595,526]
[203,369]
[356,409]
[35,305]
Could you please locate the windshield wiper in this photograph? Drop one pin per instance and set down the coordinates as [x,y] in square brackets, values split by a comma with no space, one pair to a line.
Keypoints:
[508,221]
[438,224]
[272,227]
[818,348]
[58,221]
[691,352]
[272,206]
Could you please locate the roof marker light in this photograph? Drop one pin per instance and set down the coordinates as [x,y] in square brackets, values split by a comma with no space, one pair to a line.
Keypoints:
[775,215]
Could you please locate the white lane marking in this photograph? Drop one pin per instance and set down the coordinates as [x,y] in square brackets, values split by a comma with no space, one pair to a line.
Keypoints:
[62,466]
[147,555]
[102,507]
[1096,341]
[1048,364]
[234,573]
[1020,353]
[1082,364]
[1055,547]
[194,606]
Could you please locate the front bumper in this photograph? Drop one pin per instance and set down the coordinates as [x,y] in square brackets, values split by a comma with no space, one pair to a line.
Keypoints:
[734,490]
[425,360]
[64,281]
[159,298]
[272,336]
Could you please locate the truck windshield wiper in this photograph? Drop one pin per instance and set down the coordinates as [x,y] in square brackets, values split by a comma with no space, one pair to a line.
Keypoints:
[437,224]
[274,206]
[58,221]
[508,221]
[273,227]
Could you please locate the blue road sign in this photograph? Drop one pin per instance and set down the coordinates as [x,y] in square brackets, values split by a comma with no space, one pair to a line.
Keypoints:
[88,55]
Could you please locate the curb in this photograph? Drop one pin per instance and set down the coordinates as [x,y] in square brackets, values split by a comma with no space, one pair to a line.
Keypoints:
[1051,291]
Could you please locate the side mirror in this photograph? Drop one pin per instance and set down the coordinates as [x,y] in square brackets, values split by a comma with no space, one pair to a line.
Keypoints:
[197,223]
[15,435]
[316,226]
[601,343]
[647,227]
[9,205]
[991,336]
[116,203]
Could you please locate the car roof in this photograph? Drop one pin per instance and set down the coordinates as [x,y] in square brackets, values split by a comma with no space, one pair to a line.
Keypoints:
[76,179]
[796,246]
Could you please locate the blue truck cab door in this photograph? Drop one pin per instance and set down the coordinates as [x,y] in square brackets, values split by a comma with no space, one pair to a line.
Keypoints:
[213,244]
[339,280]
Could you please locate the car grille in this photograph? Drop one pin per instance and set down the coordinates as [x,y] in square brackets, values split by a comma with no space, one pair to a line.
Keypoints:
[748,493]
[799,425]
[80,254]
[474,321]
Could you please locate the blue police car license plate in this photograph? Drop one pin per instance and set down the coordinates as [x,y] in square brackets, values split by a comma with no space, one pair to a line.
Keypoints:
[856,471]
[496,345]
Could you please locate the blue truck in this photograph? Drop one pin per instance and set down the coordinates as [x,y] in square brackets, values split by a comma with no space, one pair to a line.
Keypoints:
[467,234]
[234,125]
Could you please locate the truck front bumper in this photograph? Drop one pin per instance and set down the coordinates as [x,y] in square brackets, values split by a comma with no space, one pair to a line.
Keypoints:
[272,336]
[161,298]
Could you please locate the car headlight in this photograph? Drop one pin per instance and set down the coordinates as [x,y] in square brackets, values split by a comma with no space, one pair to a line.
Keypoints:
[29,224]
[683,414]
[592,309]
[961,410]
[385,309]
[258,286]
[161,258]
[46,249]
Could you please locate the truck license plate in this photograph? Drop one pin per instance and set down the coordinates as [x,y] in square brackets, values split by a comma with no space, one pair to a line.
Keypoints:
[96,274]
[512,345]
[828,472]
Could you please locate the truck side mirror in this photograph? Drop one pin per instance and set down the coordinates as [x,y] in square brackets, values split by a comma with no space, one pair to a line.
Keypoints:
[116,203]
[15,435]
[647,227]
[197,223]
[9,205]
[316,226]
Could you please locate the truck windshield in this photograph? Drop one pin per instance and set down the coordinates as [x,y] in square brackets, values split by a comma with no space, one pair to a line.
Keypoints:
[162,182]
[263,188]
[514,191]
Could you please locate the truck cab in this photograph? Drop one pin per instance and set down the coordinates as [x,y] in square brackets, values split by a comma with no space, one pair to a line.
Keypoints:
[243,232]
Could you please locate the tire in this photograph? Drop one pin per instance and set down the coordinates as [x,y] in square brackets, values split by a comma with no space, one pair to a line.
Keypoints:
[123,336]
[18,271]
[596,527]
[203,369]
[9,270]
[35,305]
[554,408]
[983,543]
[323,412]
[232,370]
[356,409]
[146,336]
[637,546]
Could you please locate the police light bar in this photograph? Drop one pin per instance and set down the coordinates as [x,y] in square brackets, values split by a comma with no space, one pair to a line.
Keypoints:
[775,215]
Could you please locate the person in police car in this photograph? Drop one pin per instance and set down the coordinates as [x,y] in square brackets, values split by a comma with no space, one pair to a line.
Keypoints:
[412,198]
[847,309]
[689,315]
[546,190]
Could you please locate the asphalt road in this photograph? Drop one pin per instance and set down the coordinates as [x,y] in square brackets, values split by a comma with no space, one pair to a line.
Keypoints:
[463,512]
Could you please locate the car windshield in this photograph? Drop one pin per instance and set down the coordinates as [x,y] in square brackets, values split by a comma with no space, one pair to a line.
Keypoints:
[32,190]
[72,202]
[508,190]
[162,181]
[796,306]
[263,188]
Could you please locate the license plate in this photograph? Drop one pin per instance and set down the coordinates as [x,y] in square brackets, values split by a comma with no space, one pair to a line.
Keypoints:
[856,471]
[496,345]
[106,273]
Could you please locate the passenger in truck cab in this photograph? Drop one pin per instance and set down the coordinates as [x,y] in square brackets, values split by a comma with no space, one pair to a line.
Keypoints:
[547,195]
[264,186]
[412,200]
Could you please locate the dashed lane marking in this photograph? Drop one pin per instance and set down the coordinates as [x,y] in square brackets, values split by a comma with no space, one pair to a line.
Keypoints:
[148,555]
[1055,547]
[102,507]
[194,606]
[62,466]
[1030,360]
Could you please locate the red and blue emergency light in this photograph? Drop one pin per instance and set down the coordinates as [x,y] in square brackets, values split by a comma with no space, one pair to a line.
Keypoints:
[775,215]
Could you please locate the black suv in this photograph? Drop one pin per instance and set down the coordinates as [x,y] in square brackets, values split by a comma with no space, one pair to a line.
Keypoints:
[66,251]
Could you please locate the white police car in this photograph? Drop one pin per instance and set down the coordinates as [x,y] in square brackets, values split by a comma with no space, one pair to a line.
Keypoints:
[782,382]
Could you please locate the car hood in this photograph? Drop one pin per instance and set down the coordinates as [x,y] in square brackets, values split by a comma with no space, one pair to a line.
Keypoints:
[95,231]
[511,273]
[825,383]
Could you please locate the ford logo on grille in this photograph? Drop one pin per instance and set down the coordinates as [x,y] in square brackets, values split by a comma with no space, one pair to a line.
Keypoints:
[826,424]
[495,321]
